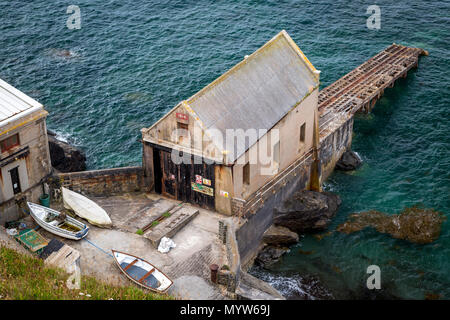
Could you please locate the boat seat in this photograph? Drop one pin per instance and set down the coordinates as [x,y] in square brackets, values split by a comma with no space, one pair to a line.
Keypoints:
[146,275]
[129,265]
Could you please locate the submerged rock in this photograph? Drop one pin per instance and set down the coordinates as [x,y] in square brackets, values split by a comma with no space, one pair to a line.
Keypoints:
[307,211]
[414,224]
[349,161]
[64,157]
[280,236]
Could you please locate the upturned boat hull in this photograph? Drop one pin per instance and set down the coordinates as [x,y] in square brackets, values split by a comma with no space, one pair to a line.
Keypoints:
[86,208]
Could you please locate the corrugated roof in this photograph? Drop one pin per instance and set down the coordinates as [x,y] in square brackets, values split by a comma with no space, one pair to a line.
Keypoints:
[13,102]
[257,92]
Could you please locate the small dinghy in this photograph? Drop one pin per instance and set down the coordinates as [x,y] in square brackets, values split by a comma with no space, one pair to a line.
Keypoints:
[58,223]
[142,272]
[86,208]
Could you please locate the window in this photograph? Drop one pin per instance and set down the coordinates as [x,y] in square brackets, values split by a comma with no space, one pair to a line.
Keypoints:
[9,143]
[182,131]
[302,133]
[246,174]
[276,154]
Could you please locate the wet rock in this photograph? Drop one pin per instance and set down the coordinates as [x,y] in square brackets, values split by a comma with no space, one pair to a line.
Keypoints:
[269,255]
[280,236]
[64,157]
[307,211]
[349,161]
[418,225]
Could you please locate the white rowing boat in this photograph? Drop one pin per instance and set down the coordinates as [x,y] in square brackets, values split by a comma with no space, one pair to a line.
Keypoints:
[85,208]
[142,272]
[52,221]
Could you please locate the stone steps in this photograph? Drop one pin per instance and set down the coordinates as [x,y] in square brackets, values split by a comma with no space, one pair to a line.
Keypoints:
[168,227]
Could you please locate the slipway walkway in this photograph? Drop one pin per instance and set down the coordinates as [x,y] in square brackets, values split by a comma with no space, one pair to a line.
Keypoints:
[360,89]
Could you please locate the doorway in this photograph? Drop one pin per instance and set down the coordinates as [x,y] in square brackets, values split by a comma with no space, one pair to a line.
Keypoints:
[15,180]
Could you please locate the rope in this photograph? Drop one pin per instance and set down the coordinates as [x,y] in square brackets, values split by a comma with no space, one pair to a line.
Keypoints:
[93,244]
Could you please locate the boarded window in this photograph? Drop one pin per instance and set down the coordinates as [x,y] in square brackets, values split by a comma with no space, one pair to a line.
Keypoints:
[9,143]
[302,132]
[246,174]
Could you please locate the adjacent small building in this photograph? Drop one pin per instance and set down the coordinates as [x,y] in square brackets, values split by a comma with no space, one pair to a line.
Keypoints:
[239,133]
[24,152]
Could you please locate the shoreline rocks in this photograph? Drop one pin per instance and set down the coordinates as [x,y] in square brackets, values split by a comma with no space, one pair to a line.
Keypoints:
[270,255]
[64,157]
[280,236]
[307,211]
[349,161]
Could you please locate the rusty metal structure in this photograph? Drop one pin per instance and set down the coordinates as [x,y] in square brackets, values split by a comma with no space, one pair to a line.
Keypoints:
[359,89]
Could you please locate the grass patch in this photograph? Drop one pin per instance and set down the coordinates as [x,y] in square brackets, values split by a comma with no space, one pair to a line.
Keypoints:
[27,278]
[166,214]
[140,232]
[154,223]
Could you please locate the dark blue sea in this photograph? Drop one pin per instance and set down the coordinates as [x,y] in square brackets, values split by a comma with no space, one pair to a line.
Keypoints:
[132,61]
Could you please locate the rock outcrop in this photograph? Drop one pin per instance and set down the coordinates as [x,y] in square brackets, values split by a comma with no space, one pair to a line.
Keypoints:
[280,236]
[349,161]
[307,211]
[269,255]
[64,157]
[418,225]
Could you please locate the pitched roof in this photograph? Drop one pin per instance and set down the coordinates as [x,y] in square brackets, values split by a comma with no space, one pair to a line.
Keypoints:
[257,92]
[14,102]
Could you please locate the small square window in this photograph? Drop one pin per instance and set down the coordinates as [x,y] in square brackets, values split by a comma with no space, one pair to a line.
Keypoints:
[9,143]
[246,174]
[302,132]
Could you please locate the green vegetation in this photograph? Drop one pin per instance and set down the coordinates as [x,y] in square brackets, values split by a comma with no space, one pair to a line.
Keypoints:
[154,223]
[140,232]
[166,214]
[26,278]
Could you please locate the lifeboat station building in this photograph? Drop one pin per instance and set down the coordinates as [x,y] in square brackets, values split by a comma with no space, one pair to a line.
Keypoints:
[24,152]
[223,147]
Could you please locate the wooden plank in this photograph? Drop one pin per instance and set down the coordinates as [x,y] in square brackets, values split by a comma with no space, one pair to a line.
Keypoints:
[131,264]
[146,275]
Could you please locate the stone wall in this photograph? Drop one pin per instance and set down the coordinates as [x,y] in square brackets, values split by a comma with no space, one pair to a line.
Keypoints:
[260,217]
[333,146]
[102,182]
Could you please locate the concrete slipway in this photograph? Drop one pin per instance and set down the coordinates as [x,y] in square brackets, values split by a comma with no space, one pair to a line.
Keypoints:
[197,246]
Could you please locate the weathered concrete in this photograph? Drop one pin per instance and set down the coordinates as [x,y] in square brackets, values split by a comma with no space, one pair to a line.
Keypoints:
[179,217]
[198,246]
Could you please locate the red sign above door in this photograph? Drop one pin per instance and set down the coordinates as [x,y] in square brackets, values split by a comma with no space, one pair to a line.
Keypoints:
[182,116]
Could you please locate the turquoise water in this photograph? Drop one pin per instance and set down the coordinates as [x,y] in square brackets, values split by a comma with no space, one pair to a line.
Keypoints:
[132,61]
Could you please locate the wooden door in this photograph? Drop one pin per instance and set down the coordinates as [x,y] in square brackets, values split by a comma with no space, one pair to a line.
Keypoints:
[169,175]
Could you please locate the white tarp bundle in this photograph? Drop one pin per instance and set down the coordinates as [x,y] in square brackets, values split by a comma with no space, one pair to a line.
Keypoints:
[165,245]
